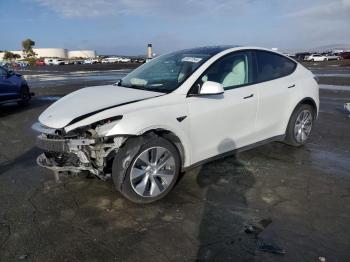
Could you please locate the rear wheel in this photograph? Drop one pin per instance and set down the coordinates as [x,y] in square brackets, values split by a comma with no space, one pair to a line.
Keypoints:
[151,173]
[24,96]
[300,125]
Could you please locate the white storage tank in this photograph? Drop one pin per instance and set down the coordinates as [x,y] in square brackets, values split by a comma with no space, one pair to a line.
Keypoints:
[51,52]
[82,54]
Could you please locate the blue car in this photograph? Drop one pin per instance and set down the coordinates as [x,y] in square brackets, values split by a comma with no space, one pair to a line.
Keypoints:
[13,88]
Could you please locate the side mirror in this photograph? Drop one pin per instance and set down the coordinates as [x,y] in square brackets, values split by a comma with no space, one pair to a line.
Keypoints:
[118,83]
[211,88]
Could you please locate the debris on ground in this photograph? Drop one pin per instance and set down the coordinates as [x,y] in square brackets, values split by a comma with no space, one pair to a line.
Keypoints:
[22,257]
[270,247]
[263,244]
[265,222]
[347,108]
[257,228]
[252,229]
[322,259]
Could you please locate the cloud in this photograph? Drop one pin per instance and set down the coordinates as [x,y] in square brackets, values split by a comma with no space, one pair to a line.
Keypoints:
[335,9]
[321,22]
[304,23]
[96,8]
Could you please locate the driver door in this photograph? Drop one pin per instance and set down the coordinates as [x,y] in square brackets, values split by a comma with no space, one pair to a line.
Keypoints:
[224,122]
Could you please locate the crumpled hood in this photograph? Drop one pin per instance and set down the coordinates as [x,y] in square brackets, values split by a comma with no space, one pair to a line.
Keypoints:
[88,100]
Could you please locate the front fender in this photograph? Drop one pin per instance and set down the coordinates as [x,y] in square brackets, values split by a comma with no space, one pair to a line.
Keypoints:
[138,123]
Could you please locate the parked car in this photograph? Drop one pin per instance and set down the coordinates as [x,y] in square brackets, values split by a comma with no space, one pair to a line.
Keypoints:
[301,56]
[178,111]
[315,58]
[58,62]
[332,57]
[345,55]
[40,62]
[77,62]
[54,61]
[125,60]
[91,61]
[108,60]
[139,60]
[13,88]
[48,61]
[23,64]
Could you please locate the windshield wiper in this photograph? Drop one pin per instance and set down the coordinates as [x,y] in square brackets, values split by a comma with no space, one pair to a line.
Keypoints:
[139,87]
[160,90]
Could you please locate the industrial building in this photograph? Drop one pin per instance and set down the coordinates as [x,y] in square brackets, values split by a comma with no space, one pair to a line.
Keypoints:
[57,53]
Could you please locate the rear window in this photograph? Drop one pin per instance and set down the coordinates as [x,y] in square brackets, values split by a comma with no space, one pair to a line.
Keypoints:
[271,66]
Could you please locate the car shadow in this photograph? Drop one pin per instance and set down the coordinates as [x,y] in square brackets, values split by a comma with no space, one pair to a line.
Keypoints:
[25,160]
[35,102]
[221,231]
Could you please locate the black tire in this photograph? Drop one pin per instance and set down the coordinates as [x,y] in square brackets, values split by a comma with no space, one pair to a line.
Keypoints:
[127,156]
[24,96]
[291,138]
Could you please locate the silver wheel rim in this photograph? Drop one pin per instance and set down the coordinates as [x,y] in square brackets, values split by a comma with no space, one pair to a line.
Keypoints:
[152,172]
[303,125]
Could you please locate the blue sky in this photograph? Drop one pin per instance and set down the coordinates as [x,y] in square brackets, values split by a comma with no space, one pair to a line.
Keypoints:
[126,26]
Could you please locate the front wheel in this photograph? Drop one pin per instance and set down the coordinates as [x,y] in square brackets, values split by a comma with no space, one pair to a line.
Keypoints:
[24,96]
[151,173]
[300,125]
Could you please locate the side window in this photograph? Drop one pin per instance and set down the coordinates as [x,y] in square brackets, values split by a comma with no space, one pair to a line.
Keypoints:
[231,71]
[272,66]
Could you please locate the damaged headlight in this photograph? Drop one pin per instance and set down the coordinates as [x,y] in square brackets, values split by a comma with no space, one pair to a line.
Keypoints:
[40,128]
[104,126]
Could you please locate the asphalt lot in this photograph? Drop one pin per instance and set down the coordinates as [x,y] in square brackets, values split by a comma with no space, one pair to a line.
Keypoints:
[297,199]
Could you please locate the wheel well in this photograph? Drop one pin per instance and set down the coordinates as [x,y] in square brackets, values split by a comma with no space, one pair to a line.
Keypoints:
[166,134]
[24,87]
[172,138]
[309,101]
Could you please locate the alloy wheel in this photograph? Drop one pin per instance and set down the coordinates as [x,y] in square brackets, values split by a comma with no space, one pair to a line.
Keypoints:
[303,125]
[152,171]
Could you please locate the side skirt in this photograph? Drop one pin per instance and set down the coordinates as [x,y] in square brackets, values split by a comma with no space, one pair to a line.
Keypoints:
[10,101]
[279,138]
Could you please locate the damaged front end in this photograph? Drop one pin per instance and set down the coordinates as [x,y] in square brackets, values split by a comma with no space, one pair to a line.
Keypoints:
[83,149]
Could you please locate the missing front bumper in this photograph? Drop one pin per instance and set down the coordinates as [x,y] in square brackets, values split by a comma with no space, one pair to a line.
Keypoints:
[43,161]
[46,162]
[61,145]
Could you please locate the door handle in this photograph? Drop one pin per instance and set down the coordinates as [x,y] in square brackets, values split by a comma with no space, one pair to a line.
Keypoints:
[246,97]
[291,86]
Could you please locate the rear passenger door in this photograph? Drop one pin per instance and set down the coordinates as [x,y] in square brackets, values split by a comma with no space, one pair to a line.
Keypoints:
[275,86]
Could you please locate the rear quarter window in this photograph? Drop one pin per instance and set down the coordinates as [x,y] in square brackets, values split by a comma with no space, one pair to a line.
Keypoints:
[271,66]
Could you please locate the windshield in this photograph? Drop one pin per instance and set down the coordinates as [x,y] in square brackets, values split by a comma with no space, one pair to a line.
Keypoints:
[165,73]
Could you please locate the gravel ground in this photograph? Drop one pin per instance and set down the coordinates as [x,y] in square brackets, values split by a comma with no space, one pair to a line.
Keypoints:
[297,199]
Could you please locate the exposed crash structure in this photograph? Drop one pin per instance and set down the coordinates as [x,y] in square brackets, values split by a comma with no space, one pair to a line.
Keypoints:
[81,150]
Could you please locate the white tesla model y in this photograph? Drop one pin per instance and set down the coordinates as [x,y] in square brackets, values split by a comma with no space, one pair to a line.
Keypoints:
[178,111]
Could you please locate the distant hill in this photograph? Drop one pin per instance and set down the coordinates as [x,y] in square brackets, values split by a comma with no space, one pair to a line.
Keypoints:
[324,48]
[332,47]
